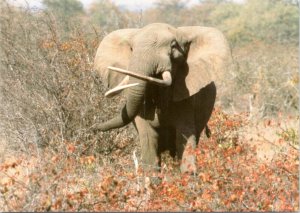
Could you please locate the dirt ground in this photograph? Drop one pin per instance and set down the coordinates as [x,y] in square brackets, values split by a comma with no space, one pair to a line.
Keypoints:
[266,135]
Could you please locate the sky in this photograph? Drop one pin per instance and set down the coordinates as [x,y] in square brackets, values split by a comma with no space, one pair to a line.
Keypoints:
[129,4]
[135,4]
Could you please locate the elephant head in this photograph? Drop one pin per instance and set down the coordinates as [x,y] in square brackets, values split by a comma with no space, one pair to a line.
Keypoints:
[185,59]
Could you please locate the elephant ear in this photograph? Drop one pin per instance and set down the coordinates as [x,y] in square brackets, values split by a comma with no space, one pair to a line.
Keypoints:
[207,53]
[114,50]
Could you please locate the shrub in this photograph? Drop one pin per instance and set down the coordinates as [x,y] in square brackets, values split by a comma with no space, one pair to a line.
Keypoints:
[49,91]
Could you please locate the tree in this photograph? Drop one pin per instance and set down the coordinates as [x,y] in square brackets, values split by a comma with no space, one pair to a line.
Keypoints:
[106,15]
[268,21]
[169,11]
[64,10]
[201,14]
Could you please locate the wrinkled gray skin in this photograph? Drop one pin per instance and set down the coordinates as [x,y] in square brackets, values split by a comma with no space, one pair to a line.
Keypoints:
[166,118]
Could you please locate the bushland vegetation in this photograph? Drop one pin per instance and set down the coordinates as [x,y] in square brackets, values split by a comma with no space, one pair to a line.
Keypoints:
[50,96]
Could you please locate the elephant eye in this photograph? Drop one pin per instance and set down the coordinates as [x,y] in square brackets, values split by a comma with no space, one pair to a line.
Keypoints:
[174,44]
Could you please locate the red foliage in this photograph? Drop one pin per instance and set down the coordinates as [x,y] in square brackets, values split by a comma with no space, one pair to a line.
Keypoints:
[230,178]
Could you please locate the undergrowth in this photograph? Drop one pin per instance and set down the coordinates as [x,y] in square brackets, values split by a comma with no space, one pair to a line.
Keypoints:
[230,177]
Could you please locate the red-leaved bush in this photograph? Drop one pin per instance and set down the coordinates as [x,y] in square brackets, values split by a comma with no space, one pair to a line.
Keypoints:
[230,177]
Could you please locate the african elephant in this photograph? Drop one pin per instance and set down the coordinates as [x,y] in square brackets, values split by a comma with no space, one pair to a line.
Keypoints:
[169,76]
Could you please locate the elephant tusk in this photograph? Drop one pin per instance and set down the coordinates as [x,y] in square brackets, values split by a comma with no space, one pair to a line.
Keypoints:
[124,81]
[167,79]
[118,89]
[115,91]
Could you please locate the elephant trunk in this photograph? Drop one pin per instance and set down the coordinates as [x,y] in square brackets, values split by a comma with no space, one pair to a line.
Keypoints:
[134,100]
[141,72]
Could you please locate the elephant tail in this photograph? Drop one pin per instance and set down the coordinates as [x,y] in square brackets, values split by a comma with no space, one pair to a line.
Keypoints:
[207,131]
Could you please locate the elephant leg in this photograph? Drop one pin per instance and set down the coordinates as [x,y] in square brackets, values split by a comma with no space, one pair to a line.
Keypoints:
[167,137]
[190,117]
[194,122]
[186,138]
[149,144]
[183,118]
[186,144]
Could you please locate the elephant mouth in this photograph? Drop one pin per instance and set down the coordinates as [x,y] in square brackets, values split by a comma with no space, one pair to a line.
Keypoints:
[165,81]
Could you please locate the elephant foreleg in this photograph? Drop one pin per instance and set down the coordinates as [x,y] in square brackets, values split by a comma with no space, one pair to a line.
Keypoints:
[148,137]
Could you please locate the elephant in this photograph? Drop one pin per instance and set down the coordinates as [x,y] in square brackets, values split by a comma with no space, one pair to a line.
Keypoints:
[169,77]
